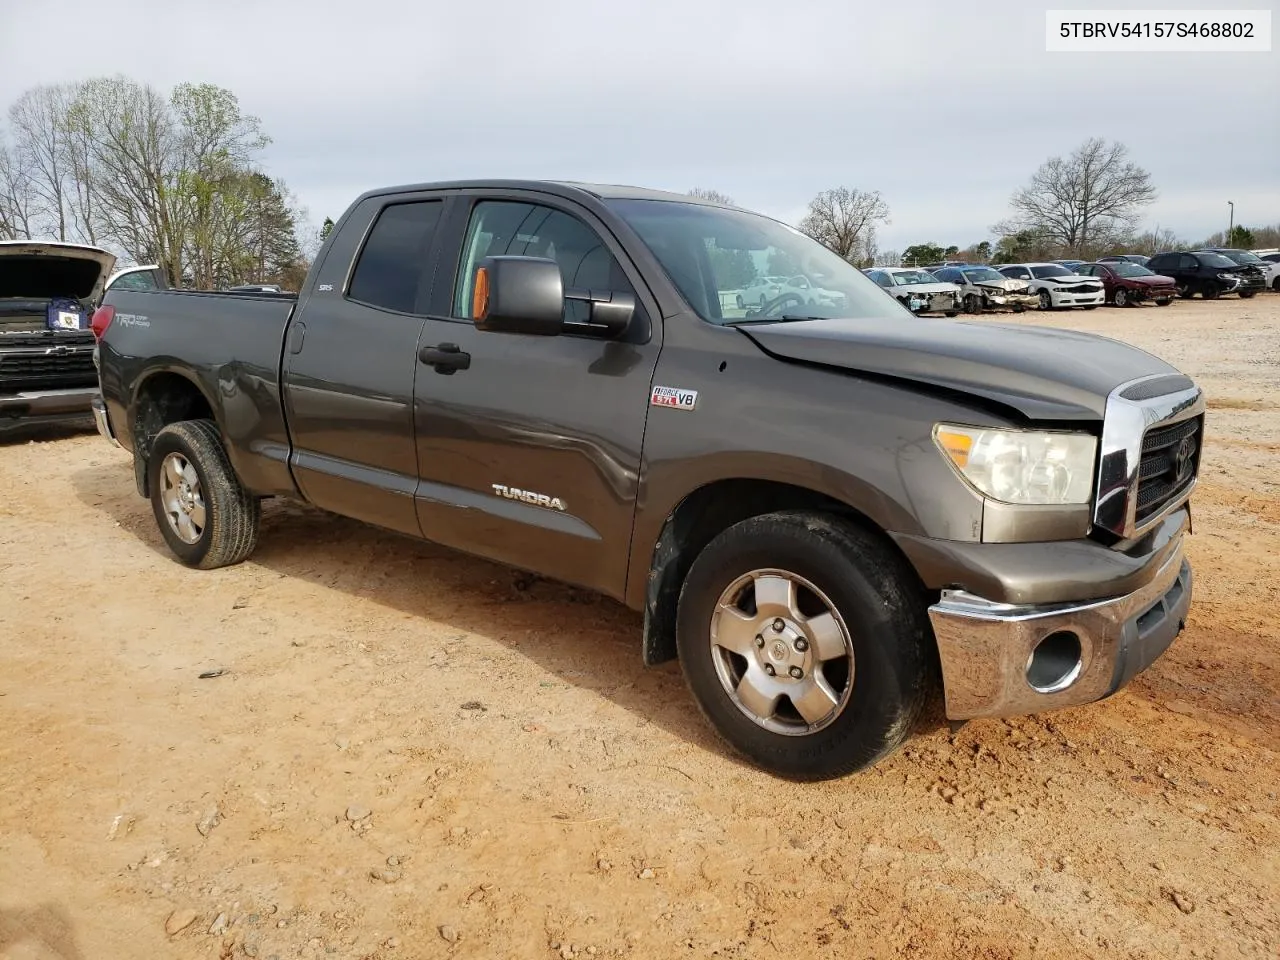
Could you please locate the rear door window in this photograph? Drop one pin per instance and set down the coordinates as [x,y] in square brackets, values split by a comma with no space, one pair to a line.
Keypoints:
[390,270]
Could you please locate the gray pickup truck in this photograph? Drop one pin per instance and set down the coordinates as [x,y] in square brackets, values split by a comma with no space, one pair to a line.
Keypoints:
[821,507]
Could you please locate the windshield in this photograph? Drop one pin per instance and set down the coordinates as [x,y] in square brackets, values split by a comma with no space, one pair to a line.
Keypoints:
[983,275]
[1126,269]
[713,255]
[1241,256]
[1215,260]
[913,276]
[1044,273]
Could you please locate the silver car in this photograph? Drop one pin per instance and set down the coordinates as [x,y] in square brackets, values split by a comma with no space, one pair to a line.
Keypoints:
[918,290]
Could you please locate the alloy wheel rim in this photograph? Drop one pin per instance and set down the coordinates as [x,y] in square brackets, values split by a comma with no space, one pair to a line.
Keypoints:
[182,497]
[782,652]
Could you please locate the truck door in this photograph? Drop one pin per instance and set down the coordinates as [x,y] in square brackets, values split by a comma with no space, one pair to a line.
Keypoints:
[530,454]
[350,363]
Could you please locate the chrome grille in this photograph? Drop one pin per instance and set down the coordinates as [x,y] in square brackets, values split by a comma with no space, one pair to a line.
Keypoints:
[1150,452]
[60,365]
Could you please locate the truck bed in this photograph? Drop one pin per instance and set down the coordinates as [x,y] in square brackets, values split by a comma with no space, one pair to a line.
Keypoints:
[231,343]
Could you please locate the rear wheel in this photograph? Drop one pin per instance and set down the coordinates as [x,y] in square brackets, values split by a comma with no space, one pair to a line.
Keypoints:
[1122,297]
[1209,291]
[805,643]
[1275,284]
[1163,303]
[205,515]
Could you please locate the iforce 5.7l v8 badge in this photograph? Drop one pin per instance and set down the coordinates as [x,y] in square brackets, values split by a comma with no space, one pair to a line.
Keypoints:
[675,397]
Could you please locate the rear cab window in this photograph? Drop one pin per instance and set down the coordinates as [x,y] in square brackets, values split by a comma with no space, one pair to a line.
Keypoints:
[391,266]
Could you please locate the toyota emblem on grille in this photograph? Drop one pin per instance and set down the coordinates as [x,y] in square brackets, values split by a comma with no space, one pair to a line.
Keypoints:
[1182,458]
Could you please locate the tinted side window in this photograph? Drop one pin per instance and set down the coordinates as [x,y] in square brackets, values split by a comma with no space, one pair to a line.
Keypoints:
[394,258]
[1087,271]
[138,280]
[881,278]
[509,228]
[1187,262]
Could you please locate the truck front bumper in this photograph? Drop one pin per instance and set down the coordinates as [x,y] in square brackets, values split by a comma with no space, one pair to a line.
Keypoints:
[46,406]
[1008,659]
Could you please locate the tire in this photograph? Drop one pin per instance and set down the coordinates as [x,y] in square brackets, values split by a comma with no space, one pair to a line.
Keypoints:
[1163,303]
[1091,306]
[1209,291]
[1185,291]
[1275,284]
[875,613]
[972,304]
[1121,297]
[189,457]
[1046,301]
[952,313]
[1246,294]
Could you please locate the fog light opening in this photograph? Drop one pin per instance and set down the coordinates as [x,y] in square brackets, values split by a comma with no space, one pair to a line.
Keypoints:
[1055,663]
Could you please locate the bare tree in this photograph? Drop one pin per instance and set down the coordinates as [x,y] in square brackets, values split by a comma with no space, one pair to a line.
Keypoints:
[1089,199]
[844,220]
[37,118]
[17,198]
[715,196]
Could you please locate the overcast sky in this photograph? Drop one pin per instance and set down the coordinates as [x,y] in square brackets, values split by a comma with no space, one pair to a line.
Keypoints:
[945,108]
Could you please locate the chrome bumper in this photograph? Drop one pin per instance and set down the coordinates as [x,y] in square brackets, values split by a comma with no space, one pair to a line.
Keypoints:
[994,663]
[103,421]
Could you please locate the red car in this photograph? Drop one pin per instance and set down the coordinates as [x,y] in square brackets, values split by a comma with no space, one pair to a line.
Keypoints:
[1126,284]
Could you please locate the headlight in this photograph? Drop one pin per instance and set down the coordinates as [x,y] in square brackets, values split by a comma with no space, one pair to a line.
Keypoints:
[1059,289]
[1021,466]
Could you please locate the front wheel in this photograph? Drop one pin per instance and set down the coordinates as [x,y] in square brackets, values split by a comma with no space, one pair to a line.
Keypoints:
[806,643]
[1246,294]
[972,303]
[1185,291]
[1121,297]
[952,313]
[205,515]
[1046,301]
[1163,303]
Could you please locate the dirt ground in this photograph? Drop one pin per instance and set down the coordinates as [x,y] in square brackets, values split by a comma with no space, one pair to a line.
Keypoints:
[408,755]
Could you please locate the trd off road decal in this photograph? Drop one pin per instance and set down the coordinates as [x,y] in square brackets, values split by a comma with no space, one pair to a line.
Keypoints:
[676,397]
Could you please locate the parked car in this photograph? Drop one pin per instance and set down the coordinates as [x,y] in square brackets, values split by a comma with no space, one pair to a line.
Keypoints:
[1056,286]
[1070,264]
[760,291]
[561,393]
[48,292]
[918,290]
[1270,269]
[1137,258]
[982,288]
[149,276]
[1126,284]
[808,292]
[1209,274]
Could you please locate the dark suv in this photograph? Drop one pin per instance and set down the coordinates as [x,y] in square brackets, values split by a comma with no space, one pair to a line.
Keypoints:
[1207,273]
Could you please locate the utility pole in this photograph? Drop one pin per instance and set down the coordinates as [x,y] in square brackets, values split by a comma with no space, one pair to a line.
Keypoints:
[1231,222]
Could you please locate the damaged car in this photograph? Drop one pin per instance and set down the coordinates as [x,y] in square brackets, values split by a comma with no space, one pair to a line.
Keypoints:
[1057,286]
[48,292]
[918,290]
[982,288]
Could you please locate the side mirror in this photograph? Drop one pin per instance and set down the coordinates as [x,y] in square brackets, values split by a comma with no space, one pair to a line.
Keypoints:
[526,295]
[518,295]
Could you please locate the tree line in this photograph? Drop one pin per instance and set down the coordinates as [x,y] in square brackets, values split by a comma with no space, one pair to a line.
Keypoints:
[1085,205]
[174,180]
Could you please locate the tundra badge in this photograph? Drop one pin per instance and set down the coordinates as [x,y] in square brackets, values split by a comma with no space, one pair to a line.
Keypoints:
[528,496]
[676,397]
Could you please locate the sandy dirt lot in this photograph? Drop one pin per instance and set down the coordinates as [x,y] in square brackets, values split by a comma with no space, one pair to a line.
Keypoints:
[411,754]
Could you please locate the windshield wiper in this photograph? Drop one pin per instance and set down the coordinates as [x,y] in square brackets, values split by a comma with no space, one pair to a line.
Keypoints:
[784,318]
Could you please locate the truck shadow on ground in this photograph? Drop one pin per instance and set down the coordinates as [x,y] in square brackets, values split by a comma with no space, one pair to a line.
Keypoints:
[43,931]
[577,636]
[13,434]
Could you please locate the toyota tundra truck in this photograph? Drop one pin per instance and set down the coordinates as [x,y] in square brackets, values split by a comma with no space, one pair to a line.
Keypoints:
[823,508]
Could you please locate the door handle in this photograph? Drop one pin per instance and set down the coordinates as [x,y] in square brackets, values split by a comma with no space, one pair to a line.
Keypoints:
[297,333]
[446,358]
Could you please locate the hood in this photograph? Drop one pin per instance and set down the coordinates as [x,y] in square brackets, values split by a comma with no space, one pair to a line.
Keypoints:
[1008,285]
[1159,280]
[1043,373]
[39,271]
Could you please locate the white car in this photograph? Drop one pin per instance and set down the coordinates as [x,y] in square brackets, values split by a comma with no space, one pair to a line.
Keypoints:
[809,292]
[1056,286]
[760,291]
[149,276]
[918,290]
